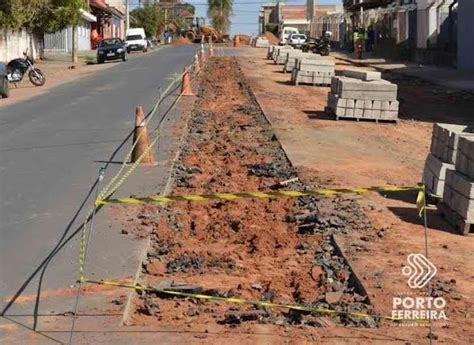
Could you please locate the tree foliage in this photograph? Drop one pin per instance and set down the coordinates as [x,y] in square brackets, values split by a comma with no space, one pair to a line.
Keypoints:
[152,18]
[148,17]
[40,15]
[219,11]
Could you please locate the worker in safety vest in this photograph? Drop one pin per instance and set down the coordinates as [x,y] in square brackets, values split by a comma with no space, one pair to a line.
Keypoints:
[355,37]
[359,43]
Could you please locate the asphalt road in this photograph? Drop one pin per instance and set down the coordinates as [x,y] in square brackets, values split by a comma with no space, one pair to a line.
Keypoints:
[51,148]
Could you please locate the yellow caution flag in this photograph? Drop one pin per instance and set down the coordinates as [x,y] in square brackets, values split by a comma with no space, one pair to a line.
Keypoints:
[420,201]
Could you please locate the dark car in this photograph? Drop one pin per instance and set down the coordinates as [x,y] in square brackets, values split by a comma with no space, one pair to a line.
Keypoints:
[111,49]
[4,90]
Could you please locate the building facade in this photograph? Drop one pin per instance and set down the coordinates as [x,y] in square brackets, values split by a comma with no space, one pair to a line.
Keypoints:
[425,31]
[465,34]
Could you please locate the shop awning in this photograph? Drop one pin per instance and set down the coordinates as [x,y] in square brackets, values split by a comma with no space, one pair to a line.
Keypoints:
[88,16]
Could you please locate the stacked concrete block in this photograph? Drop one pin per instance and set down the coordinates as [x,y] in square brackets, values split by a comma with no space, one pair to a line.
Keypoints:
[362,75]
[459,195]
[280,56]
[364,95]
[442,156]
[434,175]
[292,56]
[280,49]
[444,143]
[312,71]
[260,42]
[459,185]
[449,173]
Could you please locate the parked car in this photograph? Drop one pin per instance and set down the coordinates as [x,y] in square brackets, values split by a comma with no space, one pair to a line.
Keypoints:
[297,40]
[285,33]
[4,89]
[136,40]
[111,49]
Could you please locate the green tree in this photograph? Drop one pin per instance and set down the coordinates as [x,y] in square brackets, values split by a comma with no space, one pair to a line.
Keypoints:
[148,18]
[219,11]
[42,16]
[15,14]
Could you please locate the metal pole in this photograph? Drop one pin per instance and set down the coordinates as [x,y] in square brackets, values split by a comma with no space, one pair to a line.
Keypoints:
[127,17]
[89,235]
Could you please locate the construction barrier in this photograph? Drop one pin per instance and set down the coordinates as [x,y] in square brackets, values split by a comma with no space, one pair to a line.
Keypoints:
[252,195]
[264,304]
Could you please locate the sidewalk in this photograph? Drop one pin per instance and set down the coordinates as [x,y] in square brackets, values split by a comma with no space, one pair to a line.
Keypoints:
[447,77]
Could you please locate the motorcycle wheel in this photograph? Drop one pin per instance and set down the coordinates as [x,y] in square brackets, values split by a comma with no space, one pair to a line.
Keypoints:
[5,89]
[325,52]
[38,78]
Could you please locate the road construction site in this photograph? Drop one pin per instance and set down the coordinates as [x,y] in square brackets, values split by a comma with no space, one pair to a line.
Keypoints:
[312,252]
[239,267]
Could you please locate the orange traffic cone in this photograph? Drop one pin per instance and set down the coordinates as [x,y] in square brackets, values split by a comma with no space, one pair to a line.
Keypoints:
[203,55]
[186,89]
[140,137]
[196,67]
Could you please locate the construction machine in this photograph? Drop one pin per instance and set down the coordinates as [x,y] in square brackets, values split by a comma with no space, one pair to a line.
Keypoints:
[197,30]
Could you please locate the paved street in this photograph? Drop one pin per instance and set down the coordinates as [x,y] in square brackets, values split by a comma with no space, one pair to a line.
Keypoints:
[51,148]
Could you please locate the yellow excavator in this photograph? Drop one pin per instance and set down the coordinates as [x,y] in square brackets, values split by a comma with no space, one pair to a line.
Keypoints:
[197,29]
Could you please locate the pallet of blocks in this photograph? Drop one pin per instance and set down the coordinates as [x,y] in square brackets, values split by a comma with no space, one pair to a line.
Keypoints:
[260,42]
[292,56]
[442,156]
[363,95]
[279,55]
[314,72]
[457,205]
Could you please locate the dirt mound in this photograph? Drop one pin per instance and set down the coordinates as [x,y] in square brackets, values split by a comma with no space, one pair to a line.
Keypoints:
[181,40]
[258,249]
[271,37]
[244,39]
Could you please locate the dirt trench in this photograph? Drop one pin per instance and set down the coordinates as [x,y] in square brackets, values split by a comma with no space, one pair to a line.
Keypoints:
[277,250]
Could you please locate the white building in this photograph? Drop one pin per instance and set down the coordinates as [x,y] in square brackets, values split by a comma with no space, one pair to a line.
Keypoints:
[62,41]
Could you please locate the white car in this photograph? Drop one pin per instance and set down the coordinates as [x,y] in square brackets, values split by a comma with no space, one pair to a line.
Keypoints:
[297,40]
[285,34]
[136,40]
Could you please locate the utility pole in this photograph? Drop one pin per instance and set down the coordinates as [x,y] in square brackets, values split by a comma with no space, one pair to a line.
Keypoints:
[127,16]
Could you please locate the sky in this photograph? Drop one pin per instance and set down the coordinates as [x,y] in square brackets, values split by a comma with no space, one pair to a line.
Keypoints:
[245,17]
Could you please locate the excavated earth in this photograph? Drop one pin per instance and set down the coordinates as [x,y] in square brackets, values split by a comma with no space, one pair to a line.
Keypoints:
[278,250]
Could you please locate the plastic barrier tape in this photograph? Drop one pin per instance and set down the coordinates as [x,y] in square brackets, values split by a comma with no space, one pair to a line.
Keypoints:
[251,195]
[266,304]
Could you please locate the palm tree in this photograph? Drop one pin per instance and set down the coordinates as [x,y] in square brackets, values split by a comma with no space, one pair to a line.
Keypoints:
[219,11]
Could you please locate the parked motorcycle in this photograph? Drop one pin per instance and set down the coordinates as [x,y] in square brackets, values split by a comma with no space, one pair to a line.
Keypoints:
[17,68]
[318,46]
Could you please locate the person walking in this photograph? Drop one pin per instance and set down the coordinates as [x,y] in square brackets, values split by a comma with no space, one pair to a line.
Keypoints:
[370,39]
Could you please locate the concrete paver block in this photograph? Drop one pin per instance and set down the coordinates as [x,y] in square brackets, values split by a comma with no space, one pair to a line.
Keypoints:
[464,161]
[445,139]
[434,174]
[363,75]
[458,194]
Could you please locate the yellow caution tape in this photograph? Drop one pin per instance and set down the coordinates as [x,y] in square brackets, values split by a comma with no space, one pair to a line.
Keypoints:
[251,195]
[120,177]
[421,202]
[266,304]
